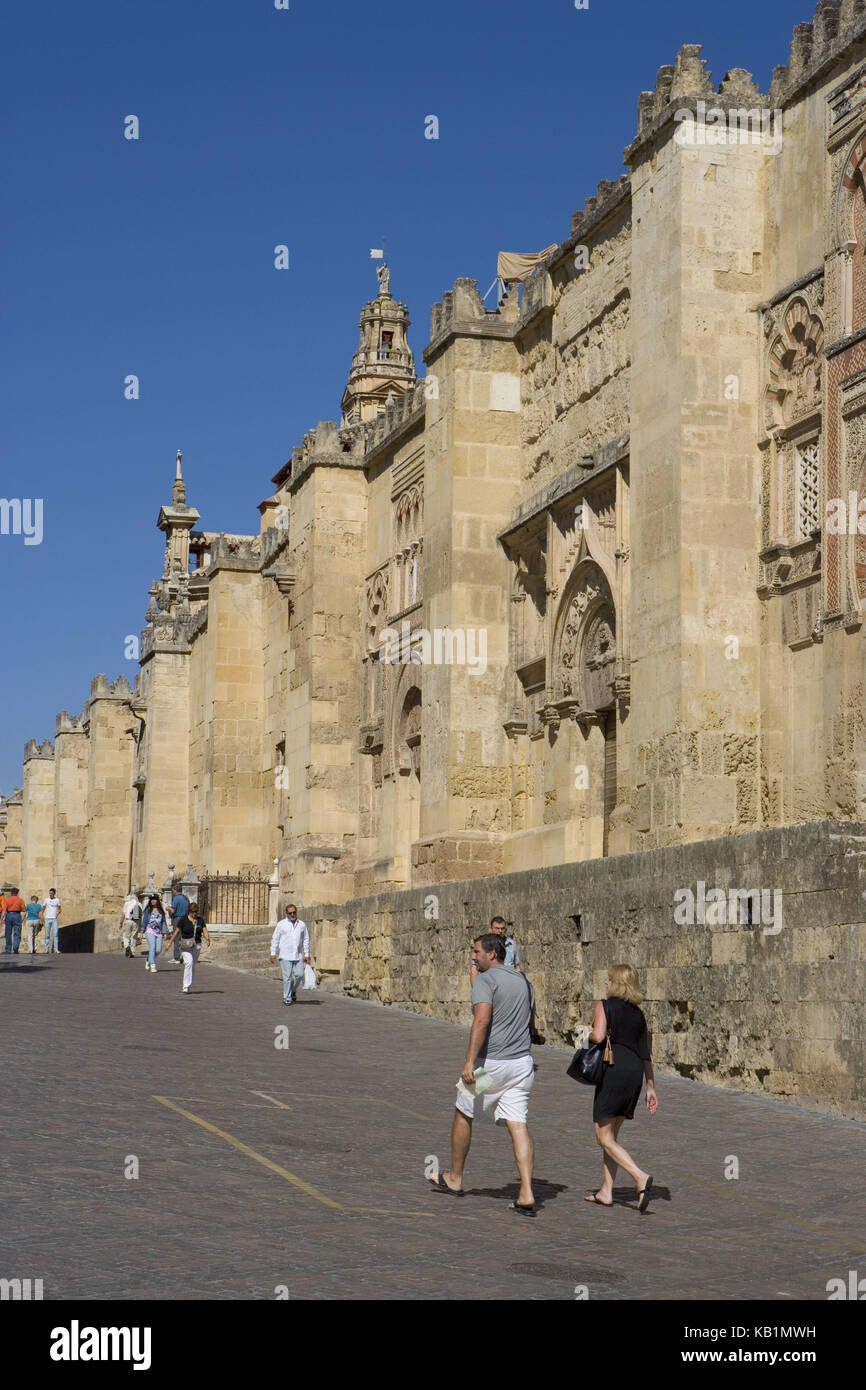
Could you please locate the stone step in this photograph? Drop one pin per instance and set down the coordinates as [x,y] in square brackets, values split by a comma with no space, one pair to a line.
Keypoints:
[249,949]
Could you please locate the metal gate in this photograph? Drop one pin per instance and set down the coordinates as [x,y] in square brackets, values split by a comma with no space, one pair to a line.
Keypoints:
[239,900]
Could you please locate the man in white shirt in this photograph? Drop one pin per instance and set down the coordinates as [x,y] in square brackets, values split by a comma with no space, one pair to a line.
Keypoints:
[51,914]
[291,942]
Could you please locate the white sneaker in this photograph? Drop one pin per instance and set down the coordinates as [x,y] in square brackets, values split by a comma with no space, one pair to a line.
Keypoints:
[185,990]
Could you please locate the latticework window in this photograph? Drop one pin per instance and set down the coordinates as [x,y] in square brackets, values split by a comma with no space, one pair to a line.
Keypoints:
[808,489]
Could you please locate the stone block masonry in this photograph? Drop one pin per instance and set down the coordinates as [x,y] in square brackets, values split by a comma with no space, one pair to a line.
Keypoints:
[728,1003]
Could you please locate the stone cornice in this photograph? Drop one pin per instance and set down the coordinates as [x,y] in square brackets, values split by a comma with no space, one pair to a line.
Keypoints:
[795,285]
[284,579]
[833,349]
[574,478]
[177,515]
[470,328]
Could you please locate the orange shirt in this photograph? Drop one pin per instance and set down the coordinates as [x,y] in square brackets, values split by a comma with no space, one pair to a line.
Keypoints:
[14,904]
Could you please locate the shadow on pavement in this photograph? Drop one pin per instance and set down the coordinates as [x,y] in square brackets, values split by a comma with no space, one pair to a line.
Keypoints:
[544,1191]
[627,1196]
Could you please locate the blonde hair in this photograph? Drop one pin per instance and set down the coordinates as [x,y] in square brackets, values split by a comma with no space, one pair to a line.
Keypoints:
[624,984]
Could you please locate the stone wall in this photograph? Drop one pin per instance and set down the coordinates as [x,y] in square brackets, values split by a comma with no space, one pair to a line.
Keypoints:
[758,1010]
[37,859]
[13,840]
[71,757]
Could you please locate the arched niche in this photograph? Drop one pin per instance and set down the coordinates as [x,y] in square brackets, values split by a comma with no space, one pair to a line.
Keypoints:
[584,645]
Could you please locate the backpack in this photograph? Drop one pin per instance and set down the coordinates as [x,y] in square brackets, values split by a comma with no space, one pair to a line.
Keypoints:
[134,914]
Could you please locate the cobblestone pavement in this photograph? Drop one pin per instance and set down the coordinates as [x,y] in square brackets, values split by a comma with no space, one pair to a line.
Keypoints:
[261,1167]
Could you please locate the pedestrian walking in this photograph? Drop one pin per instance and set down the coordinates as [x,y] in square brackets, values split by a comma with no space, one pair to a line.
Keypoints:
[51,910]
[189,931]
[503,1008]
[291,942]
[155,927]
[179,908]
[620,1018]
[512,955]
[34,921]
[15,908]
[130,921]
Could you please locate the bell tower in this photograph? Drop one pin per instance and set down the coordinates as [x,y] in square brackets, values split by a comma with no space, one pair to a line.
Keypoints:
[383,366]
[177,520]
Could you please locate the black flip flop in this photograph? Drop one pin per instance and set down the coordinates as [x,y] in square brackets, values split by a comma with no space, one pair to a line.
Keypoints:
[521,1209]
[594,1198]
[440,1185]
[643,1196]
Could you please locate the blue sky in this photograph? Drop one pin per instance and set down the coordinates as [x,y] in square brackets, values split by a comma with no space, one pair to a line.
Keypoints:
[156,257]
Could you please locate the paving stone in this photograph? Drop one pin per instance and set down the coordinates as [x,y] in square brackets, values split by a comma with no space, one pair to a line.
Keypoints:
[365,1094]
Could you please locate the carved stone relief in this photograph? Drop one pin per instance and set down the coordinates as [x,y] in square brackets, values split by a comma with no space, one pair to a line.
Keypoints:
[855,472]
[377,608]
[794,365]
[585,649]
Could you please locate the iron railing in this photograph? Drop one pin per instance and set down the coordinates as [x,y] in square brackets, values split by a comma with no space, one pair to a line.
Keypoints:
[239,900]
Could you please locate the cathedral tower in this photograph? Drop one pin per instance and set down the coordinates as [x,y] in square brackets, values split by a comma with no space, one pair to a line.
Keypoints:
[383,366]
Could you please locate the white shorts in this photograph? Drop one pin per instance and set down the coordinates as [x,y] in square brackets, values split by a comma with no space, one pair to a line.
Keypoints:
[513,1079]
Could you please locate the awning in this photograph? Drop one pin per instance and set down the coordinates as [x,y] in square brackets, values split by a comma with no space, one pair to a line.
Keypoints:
[515,265]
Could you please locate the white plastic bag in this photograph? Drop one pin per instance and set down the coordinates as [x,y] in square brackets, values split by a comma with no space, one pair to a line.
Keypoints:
[310,980]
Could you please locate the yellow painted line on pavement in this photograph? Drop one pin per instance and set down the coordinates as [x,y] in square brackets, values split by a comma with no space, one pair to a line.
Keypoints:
[728,1192]
[265,1096]
[284,1172]
[251,1153]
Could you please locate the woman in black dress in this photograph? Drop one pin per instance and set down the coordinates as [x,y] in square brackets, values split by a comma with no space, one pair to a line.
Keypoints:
[619,1090]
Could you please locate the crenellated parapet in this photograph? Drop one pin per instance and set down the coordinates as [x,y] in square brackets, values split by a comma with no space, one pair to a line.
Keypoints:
[273,542]
[815,47]
[67,724]
[329,444]
[33,750]
[229,552]
[400,413]
[609,194]
[100,689]
[461,311]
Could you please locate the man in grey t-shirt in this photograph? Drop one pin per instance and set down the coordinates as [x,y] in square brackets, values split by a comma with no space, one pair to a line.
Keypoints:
[503,1004]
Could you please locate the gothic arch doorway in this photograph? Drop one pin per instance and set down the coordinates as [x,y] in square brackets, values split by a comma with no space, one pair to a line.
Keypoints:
[408,713]
[585,662]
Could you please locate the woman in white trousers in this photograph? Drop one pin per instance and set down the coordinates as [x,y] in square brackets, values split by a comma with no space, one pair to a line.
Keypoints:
[191,929]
